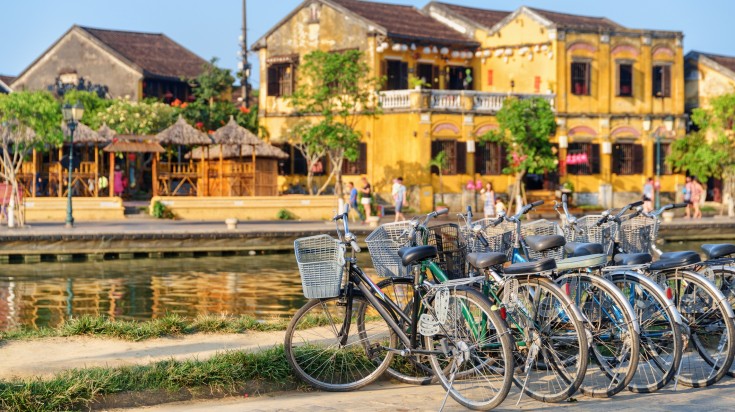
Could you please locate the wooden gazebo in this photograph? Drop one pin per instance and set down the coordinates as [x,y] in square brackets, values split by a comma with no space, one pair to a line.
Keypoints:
[236,177]
[134,144]
[86,169]
[177,178]
[237,162]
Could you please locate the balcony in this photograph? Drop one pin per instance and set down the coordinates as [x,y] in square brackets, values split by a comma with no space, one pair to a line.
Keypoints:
[450,100]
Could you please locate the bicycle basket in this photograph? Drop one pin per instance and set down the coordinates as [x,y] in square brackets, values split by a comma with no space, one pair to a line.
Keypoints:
[499,238]
[543,227]
[383,244]
[589,232]
[451,248]
[638,234]
[321,260]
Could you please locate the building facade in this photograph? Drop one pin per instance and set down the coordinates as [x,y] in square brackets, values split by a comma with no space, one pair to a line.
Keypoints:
[615,92]
[115,64]
[707,75]
[5,82]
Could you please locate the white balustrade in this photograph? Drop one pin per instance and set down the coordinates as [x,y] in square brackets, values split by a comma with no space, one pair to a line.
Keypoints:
[446,99]
[395,99]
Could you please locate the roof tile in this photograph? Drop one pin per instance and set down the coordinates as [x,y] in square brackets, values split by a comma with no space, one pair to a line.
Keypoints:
[578,22]
[483,17]
[726,61]
[7,79]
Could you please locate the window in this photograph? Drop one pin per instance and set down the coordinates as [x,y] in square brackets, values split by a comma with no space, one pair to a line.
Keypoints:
[490,159]
[581,78]
[429,73]
[459,78]
[662,81]
[296,163]
[359,166]
[280,79]
[576,164]
[627,159]
[396,73]
[665,150]
[625,80]
[456,153]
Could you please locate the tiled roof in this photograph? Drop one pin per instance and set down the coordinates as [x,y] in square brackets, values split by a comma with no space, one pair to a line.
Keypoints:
[155,53]
[483,17]
[577,22]
[7,79]
[404,21]
[726,61]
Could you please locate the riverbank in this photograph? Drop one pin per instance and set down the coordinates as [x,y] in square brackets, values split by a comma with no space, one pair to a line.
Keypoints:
[138,238]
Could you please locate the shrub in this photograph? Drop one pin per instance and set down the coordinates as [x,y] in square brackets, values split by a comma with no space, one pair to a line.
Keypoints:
[284,214]
[160,211]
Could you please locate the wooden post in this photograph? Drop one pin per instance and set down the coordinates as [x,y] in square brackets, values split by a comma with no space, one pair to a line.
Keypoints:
[96,171]
[111,183]
[221,173]
[155,174]
[61,176]
[254,171]
[35,177]
[202,183]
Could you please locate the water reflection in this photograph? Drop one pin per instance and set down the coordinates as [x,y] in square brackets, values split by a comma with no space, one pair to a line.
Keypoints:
[45,294]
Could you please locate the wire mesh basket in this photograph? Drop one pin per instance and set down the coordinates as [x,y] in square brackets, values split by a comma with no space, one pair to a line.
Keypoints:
[321,260]
[588,232]
[499,238]
[543,227]
[450,245]
[638,234]
[383,244]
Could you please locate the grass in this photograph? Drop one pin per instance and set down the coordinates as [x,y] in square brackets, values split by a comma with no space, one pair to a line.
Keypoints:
[78,388]
[169,325]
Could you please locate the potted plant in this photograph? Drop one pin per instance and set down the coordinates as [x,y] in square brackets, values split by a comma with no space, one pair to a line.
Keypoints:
[568,188]
[417,82]
[440,161]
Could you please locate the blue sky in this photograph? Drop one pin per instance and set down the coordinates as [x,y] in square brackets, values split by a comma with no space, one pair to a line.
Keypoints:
[211,28]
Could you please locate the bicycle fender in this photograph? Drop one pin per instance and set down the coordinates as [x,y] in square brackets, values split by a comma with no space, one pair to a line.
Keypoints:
[650,284]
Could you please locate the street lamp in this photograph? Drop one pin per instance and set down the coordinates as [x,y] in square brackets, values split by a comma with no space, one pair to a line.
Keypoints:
[72,116]
[669,126]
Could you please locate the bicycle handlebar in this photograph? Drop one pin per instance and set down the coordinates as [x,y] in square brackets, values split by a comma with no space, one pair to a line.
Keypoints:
[657,213]
[347,237]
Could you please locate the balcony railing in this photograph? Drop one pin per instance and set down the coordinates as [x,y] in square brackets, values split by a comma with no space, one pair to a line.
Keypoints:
[451,100]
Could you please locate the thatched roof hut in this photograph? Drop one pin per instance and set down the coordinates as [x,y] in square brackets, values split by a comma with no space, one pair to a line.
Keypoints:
[234,134]
[134,144]
[107,133]
[229,151]
[83,134]
[182,133]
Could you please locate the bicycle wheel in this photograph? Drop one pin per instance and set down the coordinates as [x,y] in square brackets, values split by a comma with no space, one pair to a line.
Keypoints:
[612,324]
[724,279]
[711,348]
[660,338]
[413,369]
[475,343]
[338,344]
[550,336]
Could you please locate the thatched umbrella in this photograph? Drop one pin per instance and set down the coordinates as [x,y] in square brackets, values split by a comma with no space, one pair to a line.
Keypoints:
[107,133]
[182,133]
[233,151]
[234,134]
[83,135]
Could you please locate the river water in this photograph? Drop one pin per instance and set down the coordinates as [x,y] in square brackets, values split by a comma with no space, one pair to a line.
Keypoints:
[264,286]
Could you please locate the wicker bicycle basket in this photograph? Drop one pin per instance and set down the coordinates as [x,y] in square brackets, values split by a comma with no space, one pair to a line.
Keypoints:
[543,227]
[321,261]
[451,248]
[588,232]
[383,244]
[638,234]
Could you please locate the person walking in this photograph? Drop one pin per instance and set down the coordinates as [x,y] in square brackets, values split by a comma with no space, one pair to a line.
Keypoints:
[648,195]
[688,197]
[696,199]
[118,184]
[399,198]
[367,197]
[489,203]
[352,190]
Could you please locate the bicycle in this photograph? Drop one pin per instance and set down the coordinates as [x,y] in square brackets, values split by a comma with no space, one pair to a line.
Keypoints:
[348,332]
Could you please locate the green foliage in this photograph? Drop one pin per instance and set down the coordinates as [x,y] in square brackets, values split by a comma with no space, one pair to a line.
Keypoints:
[137,118]
[568,185]
[93,106]
[160,211]
[695,155]
[441,162]
[285,214]
[525,127]
[37,111]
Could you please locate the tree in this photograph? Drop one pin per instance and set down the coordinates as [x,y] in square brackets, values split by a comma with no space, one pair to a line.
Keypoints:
[309,141]
[27,120]
[440,163]
[696,156]
[93,106]
[336,87]
[137,118]
[525,127]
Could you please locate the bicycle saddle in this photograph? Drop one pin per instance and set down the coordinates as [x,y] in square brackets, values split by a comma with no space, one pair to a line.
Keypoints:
[582,262]
[678,255]
[582,249]
[675,260]
[415,254]
[530,268]
[544,243]
[485,260]
[626,259]
[718,250]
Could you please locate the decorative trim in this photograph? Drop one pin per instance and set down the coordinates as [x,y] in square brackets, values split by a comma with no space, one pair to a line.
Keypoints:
[583,46]
[445,126]
[284,58]
[627,131]
[625,48]
[663,51]
[485,128]
[582,131]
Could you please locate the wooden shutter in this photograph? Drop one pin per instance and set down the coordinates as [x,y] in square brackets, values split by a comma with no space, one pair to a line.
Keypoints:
[594,158]
[403,81]
[480,156]
[666,80]
[273,85]
[637,160]
[616,158]
[461,158]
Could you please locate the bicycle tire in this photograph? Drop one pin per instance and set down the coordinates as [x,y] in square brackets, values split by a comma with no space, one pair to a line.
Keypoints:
[711,330]
[319,357]
[660,338]
[412,369]
[613,326]
[487,357]
[562,358]
[724,279]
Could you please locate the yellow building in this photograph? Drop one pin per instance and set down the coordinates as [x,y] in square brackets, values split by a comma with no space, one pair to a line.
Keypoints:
[615,91]
[707,76]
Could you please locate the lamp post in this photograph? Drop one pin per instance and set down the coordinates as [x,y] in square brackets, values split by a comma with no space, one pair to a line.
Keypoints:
[72,116]
[669,126]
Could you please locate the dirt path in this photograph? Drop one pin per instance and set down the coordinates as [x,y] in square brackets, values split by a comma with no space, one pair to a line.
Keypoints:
[45,357]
